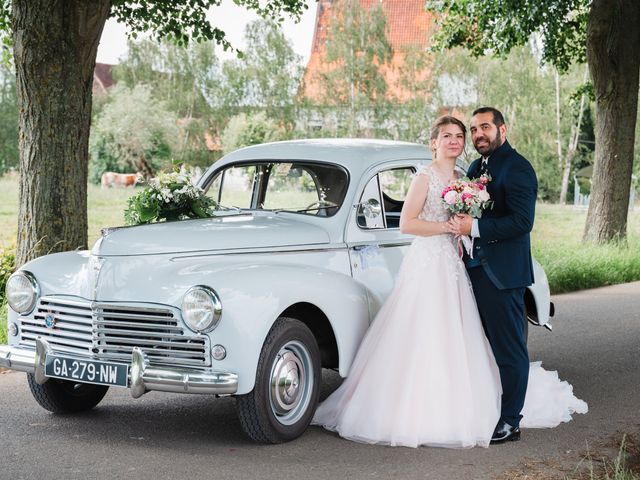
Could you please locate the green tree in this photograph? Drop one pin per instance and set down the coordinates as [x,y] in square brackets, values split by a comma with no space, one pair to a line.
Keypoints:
[140,139]
[244,130]
[357,49]
[186,78]
[55,46]
[272,71]
[605,33]
[412,114]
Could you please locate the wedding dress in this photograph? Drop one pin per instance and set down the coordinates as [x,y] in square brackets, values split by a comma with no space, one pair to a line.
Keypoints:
[425,373]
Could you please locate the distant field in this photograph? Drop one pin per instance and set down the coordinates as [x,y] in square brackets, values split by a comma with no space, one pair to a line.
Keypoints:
[556,238]
[106,207]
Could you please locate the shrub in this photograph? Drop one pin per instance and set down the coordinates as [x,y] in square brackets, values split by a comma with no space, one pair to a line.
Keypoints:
[7,267]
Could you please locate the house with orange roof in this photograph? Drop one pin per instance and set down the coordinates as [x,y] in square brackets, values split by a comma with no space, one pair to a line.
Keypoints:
[409,26]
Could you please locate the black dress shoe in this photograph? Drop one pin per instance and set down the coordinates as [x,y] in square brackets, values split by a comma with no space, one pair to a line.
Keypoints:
[505,433]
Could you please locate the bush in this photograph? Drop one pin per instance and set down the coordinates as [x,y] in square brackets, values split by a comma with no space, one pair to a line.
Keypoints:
[7,267]
[3,323]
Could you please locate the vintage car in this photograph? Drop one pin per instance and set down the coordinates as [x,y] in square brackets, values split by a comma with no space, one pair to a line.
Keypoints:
[253,302]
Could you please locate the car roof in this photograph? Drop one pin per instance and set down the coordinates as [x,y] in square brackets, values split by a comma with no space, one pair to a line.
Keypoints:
[355,154]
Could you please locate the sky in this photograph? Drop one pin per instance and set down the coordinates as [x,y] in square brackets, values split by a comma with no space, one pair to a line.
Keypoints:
[230,18]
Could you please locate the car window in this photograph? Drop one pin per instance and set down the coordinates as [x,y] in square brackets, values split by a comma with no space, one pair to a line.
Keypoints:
[290,186]
[383,197]
[310,188]
[394,185]
[234,186]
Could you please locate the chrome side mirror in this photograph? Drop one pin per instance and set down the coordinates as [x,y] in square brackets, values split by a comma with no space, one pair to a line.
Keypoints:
[371,212]
[371,208]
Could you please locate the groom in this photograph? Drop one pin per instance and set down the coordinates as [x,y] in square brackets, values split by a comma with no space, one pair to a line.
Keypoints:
[501,266]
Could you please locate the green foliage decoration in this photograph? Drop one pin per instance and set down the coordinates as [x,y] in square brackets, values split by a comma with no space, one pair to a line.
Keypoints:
[169,196]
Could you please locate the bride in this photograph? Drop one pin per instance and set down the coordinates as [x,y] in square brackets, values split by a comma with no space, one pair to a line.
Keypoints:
[424,373]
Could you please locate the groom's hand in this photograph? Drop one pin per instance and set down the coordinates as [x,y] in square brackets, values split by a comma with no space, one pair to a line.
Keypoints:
[461,224]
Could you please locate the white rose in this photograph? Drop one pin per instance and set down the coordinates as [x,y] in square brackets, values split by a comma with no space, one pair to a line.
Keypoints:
[483,195]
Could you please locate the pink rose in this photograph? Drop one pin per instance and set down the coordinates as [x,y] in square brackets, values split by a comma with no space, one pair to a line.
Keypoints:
[450,197]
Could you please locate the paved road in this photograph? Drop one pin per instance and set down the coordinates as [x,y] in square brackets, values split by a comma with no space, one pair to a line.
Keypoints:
[595,345]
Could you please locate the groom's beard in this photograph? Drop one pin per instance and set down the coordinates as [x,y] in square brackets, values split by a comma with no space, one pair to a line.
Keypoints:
[491,146]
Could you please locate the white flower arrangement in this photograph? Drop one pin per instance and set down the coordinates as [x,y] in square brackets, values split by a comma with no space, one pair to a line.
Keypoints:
[169,196]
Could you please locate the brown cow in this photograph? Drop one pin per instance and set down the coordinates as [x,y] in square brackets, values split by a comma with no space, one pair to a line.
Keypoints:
[113,179]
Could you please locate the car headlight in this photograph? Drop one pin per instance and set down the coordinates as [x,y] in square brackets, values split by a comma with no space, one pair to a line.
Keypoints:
[201,309]
[22,292]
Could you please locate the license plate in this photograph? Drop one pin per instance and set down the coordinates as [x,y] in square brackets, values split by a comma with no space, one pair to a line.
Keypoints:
[86,371]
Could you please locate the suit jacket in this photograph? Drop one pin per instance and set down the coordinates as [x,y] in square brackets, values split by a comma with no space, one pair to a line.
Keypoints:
[504,246]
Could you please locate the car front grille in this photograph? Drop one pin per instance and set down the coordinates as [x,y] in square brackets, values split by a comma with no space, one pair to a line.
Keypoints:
[109,331]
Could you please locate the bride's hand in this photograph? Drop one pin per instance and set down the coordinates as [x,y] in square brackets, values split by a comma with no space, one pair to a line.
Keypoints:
[452,226]
[461,223]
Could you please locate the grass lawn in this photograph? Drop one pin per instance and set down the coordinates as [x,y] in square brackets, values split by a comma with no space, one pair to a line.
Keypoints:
[106,209]
[572,265]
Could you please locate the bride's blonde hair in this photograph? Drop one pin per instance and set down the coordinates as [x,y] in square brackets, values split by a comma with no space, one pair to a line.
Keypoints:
[447,120]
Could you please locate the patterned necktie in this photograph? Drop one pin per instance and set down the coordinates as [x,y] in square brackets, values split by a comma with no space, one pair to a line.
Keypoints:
[483,168]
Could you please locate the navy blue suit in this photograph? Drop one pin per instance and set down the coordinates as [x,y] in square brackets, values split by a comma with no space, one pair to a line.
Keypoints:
[502,268]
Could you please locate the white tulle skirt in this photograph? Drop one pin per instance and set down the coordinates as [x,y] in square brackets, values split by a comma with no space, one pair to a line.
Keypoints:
[424,373]
[549,401]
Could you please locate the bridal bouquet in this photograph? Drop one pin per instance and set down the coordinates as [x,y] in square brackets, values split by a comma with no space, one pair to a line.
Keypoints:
[468,196]
[169,196]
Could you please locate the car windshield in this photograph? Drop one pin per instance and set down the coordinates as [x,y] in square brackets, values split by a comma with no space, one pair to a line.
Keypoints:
[301,187]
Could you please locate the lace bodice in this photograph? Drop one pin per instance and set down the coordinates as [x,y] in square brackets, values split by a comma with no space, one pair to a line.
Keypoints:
[433,209]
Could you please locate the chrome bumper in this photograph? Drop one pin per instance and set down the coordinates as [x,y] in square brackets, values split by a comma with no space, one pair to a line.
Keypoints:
[17,358]
[142,376]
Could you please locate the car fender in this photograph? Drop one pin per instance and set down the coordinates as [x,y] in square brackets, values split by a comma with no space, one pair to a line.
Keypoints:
[541,294]
[254,298]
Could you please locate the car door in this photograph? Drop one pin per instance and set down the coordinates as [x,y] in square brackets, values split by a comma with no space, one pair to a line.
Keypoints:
[376,246]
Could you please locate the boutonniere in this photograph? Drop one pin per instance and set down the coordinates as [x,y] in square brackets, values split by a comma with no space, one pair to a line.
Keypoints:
[483,179]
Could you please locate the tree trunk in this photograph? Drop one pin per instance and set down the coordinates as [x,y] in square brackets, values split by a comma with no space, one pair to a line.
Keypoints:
[55,47]
[558,124]
[574,139]
[566,172]
[613,52]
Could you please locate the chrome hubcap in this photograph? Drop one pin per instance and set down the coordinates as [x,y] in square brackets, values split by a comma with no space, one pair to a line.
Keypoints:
[291,382]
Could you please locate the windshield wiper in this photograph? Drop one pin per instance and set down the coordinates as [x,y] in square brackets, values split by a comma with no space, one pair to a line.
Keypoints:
[227,209]
[303,210]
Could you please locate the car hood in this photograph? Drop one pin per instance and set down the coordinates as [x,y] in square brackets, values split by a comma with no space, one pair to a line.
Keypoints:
[230,232]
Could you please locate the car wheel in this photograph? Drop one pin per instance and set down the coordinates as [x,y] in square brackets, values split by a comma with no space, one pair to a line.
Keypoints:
[61,396]
[287,386]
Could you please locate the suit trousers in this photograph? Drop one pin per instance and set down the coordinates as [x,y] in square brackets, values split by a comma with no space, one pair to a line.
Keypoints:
[503,316]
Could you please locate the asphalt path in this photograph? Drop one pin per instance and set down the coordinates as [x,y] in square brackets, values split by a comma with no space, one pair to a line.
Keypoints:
[595,345]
